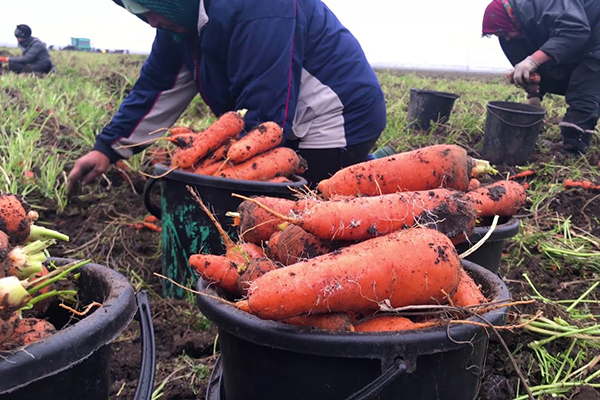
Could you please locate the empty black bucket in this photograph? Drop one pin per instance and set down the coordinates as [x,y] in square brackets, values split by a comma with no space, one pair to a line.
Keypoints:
[428,105]
[511,132]
[187,230]
[489,255]
[269,360]
[74,363]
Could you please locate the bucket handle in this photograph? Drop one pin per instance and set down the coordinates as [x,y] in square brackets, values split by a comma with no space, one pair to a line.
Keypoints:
[145,385]
[515,125]
[152,209]
[374,388]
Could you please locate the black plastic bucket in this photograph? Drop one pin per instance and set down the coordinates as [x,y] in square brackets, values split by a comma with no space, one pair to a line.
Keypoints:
[428,105]
[489,254]
[269,360]
[74,363]
[511,132]
[187,230]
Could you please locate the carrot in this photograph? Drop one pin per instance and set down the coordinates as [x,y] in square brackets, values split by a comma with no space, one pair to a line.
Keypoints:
[256,224]
[360,276]
[569,184]
[280,179]
[216,156]
[182,140]
[219,270]
[502,198]
[28,331]
[295,244]
[7,327]
[426,168]
[328,322]
[360,218]
[523,174]
[264,137]
[14,220]
[474,184]
[257,267]
[280,161]
[272,251]
[390,323]
[180,130]
[468,292]
[211,169]
[4,250]
[227,126]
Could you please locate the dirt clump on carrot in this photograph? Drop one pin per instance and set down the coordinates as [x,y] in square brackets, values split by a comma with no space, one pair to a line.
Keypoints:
[27,331]
[256,268]
[14,217]
[295,244]
[219,270]
[264,137]
[256,224]
[503,198]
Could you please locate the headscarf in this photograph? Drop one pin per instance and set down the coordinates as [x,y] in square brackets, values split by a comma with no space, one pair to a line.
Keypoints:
[23,31]
[182,12]
[500,18]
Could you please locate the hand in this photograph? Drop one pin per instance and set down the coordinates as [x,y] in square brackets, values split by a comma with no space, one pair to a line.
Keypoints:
[86,169]
[3,59]
[523,70]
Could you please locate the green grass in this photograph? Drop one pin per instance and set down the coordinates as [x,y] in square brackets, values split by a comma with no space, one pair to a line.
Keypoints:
[48,123]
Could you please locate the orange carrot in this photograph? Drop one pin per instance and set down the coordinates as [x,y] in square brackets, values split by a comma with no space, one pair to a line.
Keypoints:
[7,327]
[328,322]
[390,323]
[264,137]
[14,219]
[212,169]
[272,251]
[279,179]
[502,198]
[474,184]
[468,292]
[523,174]
[28,331]
[180,130]
[4,250]
[426,168]
[256,268]
[295,244]
[360,218]
[280,161]
[219,270]
[228,126]
[216,156]
[360,276]
[569,184]
[182,140]
[256,224]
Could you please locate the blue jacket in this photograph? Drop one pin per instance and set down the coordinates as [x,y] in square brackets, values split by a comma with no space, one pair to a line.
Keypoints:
[288,61]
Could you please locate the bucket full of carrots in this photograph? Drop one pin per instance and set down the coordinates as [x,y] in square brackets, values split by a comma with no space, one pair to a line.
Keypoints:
[387,356]
[219,161]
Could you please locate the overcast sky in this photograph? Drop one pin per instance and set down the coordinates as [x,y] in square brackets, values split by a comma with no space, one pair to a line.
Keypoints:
[393,33]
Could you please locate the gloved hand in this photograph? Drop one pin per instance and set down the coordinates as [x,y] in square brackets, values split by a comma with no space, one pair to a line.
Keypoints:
[3,59]
[523,70]
[86,169]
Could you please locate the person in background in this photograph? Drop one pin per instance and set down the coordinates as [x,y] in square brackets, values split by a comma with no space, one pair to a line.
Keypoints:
[287,61]
[35,56]
[560,41]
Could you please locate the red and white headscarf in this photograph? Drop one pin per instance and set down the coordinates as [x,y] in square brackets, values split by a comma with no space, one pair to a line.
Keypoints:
[500,18]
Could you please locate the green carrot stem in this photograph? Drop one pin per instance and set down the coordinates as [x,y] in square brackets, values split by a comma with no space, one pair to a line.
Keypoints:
[482,167]
[54,276]
[563,334]
[45,296]
[545,300]
[582,297]
[40,233]
[562,366]
[37,246]
[30,269]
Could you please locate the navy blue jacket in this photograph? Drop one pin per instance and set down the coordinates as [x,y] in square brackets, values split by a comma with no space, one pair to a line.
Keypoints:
[288,61]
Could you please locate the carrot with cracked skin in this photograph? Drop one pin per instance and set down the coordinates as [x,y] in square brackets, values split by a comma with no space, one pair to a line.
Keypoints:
[360,218]
[295,245]
[280,161]
[271,250]
[256,224]
[227,126]
[430,167]
[468,292]
[264,137]
[502,198]
[327,322]
[409,267]
[220,270]
[256,268]
[390,323]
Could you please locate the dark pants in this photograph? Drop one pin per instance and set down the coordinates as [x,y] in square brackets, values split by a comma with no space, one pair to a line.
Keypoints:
[42,67]
[578,82]
[322,163]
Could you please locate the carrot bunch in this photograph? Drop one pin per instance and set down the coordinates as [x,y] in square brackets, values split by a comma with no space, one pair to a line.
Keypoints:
[223,151]
[340,262]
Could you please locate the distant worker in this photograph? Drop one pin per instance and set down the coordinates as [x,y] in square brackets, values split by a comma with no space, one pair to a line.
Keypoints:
[35,56]
[559,40]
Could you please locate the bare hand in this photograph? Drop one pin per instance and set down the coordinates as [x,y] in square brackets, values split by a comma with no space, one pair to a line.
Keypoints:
[86,169]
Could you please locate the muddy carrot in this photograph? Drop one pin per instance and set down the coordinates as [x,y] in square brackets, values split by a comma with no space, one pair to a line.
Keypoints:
[227,126]
[219,270]
[328,322]
[295,244]
[256,268]
[502,198]
[360,276]
[264,137]
[272,250]
[426,168]
[468,292]
[390,323]
[280,179]
[28,331]
[216,156]
[4,251]
[474,184]
[256,224]
[14,220]
[281,161]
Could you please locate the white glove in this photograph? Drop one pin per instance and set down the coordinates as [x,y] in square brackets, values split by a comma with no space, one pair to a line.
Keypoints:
[523,70]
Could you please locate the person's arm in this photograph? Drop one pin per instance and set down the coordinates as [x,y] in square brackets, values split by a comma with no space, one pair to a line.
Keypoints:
[36,49]
[264,68]
[161,93]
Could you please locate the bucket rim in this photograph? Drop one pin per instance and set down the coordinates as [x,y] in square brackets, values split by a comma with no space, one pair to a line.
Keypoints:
[351,344]
[435,93]
[502,231]
[226,183]
[70,346]
[533,110]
